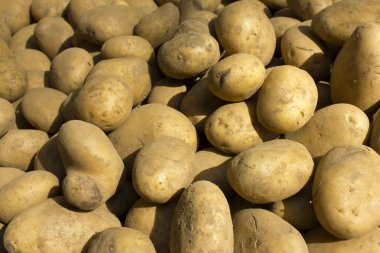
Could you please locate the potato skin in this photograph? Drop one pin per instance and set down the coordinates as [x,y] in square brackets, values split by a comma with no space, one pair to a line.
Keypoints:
[32,59]
[24,38]
[12,80]
[43,8]
[340,176]
[7,116]
[202,221]
[168,92]
[54,222]
[15,14]
[307,9]
[270,171]
[254,230]
[7,174]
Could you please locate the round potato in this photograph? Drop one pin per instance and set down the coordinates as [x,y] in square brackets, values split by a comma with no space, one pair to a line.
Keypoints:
[12,79]
[8,174]
[168,92]
[287,99]
[24,39]
[271,171]
[48,8]
[345,191]
[7,116]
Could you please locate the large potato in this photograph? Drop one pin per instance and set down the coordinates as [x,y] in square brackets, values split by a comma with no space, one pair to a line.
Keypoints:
[54,224]
[338,124]
[270,171]
[93,167]
[258,230]
[345,191]
[12,79]
[7,116]
[202,221]
[7,174]
[307,9]
[287,99]
[243,28]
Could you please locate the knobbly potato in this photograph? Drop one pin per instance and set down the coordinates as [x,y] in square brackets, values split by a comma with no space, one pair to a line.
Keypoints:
[287,99]
[122,201]
[8,174]
[44,8]
[270,171]
[334,125]
[237,77]
[243,28]
[12,79]
[233,128]
[202,221]
[168,92]
[121,240]
[69,69]
[93,167]
[258,230]
[347,173]
[47,102]
[307,9]
[24,39]
[7,116]
[30,189]
[53,223]
[18,147]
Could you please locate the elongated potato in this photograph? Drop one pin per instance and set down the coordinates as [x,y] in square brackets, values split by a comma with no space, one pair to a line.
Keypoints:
[7,116]
[7,174]
[202,221]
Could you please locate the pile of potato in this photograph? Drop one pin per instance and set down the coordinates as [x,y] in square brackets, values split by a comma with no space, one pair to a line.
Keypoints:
[178,126]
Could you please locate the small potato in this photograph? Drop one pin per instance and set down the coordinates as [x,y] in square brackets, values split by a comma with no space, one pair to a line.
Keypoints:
[52,223]
[271,171]
[345,190]
[12,79]
[187,55]
[24,39]
[236,77]
[127,45]
[69,69]
[30,189]
[261,231]
[93,167]
[5,31]
[334,125]
[233,128]
[202,221]
[159,26]
[47,102]
[53,35]
[7,116]
[122,201]
[15,13]
[287,99]
[48,8]
[8,174]
[32,60]
[243,28]
[307,9]
[168,92]
[18,147]
[154,220]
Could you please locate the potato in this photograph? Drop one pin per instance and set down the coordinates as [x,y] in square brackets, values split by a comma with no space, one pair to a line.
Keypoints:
[12,79]
[24,39]
[5,32]
[32,60]
[187,55]
[211,165]
[121,20]
[324,98]
[168,92]
[47,102]
[206,17]
[161,2]
[141,7]
[202,221]
[233,128]
[334,26]
[53,223]
[236,77]
[37,79]
[287,99]
[347,173]
[281,25]
[320,241]
[297,210]
[69,69]
[286,12]
[154,220]
[243,28]
[26,191]
[334,125]
[20,146]
[354,76]
[159,26]
[93,167]
[307,9]
[188,7]
[193,26]
[48,8]
[4,49]
[7,116]
[147,123]
[8,174]
[134,71]
[276,4]
[122,201]
[53,35]
[2,229]
[258,230]
[301,48]
[77,8]
[271,171]
[68,109]
[15,13]
[127,45]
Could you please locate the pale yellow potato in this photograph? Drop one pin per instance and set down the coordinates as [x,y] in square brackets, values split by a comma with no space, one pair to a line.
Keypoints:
[202,221]
[271,171]
[287,99]
[12,79]
[193,26]
[53,223]
[18,147]
[7,116]
[37,79]
[168,92]
[15,13]
[77,8]
[93,167]
[8,174]
[48,8]
[32,59]
[307,9]
[122,201]
[280,25]
[345,191]
[5,31]
[24,39]
[4,49]
[261,231]
[25,191]
[334,125]
[188,7]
